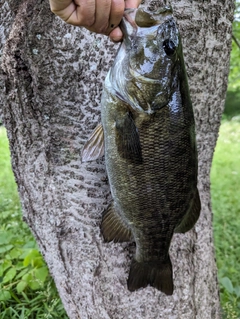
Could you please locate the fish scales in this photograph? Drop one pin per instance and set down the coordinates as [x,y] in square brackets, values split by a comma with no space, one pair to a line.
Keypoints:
[150,147]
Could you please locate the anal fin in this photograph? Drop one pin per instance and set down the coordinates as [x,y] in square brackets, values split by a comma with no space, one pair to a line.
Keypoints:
[191,217]
[113,228]
[94,147]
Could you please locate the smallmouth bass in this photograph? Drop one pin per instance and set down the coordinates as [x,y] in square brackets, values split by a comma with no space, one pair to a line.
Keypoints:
[148,134]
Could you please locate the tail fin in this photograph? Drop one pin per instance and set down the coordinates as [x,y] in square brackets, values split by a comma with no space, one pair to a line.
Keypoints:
[157,275]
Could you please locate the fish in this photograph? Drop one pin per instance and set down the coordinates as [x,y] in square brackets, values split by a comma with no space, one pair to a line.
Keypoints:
[147,134]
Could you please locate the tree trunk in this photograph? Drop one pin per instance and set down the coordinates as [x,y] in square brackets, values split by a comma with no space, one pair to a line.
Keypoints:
[53,75]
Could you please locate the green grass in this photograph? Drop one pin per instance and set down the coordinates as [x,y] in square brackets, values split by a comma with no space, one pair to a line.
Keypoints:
[232,105]
[27,290]
[225,191]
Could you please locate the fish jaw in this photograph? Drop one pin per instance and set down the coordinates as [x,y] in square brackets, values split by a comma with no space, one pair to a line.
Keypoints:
[142,64]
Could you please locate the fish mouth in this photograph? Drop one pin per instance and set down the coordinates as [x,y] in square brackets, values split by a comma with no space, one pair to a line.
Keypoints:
[128,25]
[144,18]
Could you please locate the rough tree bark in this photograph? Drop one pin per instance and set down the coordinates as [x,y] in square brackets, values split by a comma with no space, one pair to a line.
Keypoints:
[53,75]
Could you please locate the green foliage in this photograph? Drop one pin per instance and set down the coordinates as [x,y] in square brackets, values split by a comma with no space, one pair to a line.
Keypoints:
[234,78]
[26,288]
[232,104]
[225,185]
[42,304]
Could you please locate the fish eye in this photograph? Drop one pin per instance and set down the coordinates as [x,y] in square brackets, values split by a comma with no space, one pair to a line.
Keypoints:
[169,47]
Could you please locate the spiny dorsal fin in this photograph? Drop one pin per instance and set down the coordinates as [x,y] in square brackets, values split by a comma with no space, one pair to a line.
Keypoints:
[113,228]
[191,217]
[94,147]
[127,139]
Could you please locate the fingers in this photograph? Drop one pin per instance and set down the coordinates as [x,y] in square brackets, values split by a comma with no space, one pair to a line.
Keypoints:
[75,12]
[116,14]
[63,8]
[101,16]
[101,19]
[84,13]
[108,15]
[116,35]
[132,3]
[58,5]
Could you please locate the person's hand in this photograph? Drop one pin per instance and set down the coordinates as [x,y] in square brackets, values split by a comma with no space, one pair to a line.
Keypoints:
[101,16]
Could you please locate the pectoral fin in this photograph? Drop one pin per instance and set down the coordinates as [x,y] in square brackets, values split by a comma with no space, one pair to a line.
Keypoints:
[191,217]
[113,228]
[94,147]
[127,139]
